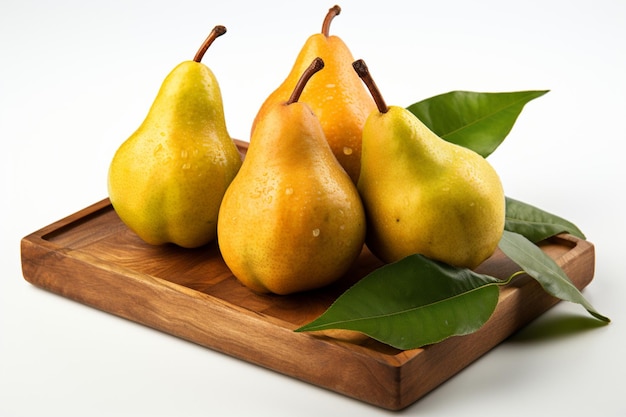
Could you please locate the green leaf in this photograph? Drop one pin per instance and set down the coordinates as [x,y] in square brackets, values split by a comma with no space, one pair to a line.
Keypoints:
[413,302]
[544,269]
[479,121]
[534,223]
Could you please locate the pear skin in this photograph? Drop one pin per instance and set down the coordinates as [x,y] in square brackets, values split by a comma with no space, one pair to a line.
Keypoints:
[167,180]
[292,219]
[425,195]
[336,95]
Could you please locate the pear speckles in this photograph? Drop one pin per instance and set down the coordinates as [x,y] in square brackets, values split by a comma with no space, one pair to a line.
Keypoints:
[316,232]
[347,150]
[288,191]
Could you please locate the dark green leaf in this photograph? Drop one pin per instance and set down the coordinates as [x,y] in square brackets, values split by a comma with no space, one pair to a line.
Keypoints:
[479,121]
[412,303]
[544,269]
[534,223]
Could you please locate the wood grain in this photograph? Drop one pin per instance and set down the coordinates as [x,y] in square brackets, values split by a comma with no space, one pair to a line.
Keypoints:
[91,257]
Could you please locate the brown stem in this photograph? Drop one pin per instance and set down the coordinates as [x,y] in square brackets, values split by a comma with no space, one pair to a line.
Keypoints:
[315,66]
[215,33]
[332,12]
[363,72]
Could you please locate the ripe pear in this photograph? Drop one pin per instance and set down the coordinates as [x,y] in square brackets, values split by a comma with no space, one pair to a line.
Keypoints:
[292,219]
[167,180]
[336,95]
[423,194]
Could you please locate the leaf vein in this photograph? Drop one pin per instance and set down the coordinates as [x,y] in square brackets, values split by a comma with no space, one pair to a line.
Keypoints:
[486,116]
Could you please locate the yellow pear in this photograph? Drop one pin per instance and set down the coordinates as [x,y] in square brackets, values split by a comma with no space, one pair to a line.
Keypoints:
[167,180]
[336,95]
[423,194]
[292,219]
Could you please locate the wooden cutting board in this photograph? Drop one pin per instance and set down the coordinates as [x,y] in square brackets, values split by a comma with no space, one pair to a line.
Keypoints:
[93,258]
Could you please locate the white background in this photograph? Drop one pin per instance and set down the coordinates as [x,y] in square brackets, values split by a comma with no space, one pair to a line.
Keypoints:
[76,78]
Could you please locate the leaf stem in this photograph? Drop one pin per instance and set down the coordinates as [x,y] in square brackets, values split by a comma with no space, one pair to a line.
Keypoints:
[518,273]
[217,31]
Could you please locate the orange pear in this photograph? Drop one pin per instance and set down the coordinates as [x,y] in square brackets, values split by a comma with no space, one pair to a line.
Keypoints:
[336,95]
[291,220]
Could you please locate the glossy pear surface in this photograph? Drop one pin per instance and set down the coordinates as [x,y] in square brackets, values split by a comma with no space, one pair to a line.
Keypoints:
[336,95]
[167,180]
[425,195]
[292,219]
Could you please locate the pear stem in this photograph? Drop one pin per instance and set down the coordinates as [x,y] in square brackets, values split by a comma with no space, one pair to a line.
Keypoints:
[217,31]
[332,12]
[364,73]
[315,66]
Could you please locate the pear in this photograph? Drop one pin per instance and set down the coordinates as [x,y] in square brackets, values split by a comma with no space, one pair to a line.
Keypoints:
[336,95]
[292,219]
[423,194]
[167,180]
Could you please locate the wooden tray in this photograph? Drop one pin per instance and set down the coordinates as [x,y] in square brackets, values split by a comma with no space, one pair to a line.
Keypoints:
[93,258]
